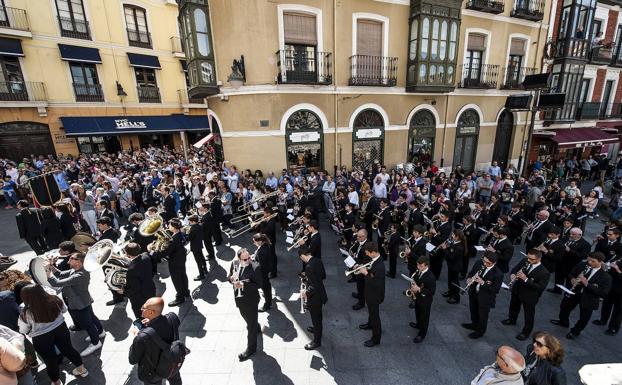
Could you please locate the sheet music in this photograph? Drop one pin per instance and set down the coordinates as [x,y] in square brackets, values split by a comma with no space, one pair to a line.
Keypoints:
[291,217]
[480,248]
[289,240]
[344,252]
[290,211]
[407,278]
[565,289]
[349,262]
[294,297]
[289,233]
[504,286]
[429,247]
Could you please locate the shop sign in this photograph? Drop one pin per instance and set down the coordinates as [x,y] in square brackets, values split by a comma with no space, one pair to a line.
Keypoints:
[588,144]
[369,133]
[61,138]
[126,123]
[468,130]
[302,137]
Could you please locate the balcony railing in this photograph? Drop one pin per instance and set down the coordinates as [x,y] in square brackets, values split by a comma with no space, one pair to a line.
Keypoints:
[490,6]
[20,91]
[513,77]
[373,71]
[485,76]
[88,92]
[601,55]
[14,18]
[176,46]
[148,94]
[304,67]
[588,111]
[77,29]
[139,38]
[571,47]
[529,9]
[611,111]
[566,114]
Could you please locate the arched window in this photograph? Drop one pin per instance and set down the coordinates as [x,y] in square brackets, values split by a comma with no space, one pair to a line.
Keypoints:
[421,133]
[304,139]
[467,134]
[367,139]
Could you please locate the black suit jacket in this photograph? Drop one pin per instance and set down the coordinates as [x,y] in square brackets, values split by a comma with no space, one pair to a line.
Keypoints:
[454,255]
[504,250]
[472,235]
[415,218]
[195,236]
[554,253]
[269,228]
[358,254]
[540,234]
[442,233]
[384,222]
[110,234]
[516,224]
[250,294]
[417,249]
[262,255]
[374,283]
[316,293]
[29,223]
[175,251]
[427,282]
[315,245]
[529,291]
[578,252]
[169,208]
[492,284]
[598,286]
[66,226]
[394,244]
[139,282]
[610,251]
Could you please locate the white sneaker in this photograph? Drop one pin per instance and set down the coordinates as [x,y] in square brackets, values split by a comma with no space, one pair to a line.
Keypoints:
[92,348]
[80,373]
[101,335]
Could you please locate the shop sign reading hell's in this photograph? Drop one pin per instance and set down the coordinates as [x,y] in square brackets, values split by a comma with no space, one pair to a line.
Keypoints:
[126,123]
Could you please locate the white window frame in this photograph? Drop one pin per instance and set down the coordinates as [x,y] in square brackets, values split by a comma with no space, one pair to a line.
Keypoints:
[385,35]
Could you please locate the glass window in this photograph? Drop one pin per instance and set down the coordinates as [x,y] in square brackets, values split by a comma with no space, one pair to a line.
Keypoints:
[443,43]
[425,33]
[414,30]
[136,21]
[422,72]
[432,73]
[202,32]
[435,33]
[83,73]
[452,41]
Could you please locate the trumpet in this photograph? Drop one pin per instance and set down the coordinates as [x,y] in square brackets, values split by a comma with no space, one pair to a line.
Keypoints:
[248,226]
[360,267]
[608,265]
[363,209]
[297,243]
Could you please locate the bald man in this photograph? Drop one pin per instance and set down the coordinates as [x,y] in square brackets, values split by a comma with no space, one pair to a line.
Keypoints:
[538,230]
[505,371]
[144,350]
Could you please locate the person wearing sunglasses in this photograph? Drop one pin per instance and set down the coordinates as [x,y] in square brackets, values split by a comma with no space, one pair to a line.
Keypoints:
[542,361]
[506,370]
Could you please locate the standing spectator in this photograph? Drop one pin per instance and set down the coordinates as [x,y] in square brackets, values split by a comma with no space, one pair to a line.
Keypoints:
[87,207]
[12,360]
[586,169]
[8,191]
[542,361]
[329,190]
[506,370]
[30,228]
[125,199]
[380,189]
[494,170]
[590,202]
[484,188]
[572,190]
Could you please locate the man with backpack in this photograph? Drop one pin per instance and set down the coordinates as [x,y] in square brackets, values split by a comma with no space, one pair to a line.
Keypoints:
[156,348]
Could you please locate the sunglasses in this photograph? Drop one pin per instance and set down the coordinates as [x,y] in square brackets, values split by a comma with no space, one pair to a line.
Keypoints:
[539,344]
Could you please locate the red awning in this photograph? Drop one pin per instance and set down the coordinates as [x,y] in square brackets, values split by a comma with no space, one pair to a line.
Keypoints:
[203,141]
[582,137]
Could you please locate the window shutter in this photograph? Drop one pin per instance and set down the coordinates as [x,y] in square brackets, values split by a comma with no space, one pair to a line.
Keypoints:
[368,38]
[517,47]
[299,29]
[476,42]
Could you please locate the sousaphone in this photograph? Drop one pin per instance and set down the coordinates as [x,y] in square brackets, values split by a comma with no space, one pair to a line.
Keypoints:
[98,255]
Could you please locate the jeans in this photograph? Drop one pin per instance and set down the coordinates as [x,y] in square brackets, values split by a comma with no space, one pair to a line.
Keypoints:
[87,320]
[10,197]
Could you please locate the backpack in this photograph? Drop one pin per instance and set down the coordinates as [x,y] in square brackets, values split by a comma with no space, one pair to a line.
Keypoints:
[172,355]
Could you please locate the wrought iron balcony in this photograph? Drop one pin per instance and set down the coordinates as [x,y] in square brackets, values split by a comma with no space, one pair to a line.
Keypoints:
[139,38]
[611,111]
[148,94]
[14,18]
[176,46]
[529,9]
[616,60]
[588,111]
[19,91]
[484,76]
[77,29]
[304,67]
[566,114]
[513,77]
[601,55]
[570,47]
[490,6]
[373,71]
[88,92]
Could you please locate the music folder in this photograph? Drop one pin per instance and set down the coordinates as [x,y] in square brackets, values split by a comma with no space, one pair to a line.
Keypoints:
[429,247]
[480,248]
[504,286]
[407,278]
[289,233]
[290,217]
[349,262]
[289,240]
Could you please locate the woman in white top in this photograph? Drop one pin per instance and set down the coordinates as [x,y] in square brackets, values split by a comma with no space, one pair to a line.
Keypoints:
[353,197]
[463,191]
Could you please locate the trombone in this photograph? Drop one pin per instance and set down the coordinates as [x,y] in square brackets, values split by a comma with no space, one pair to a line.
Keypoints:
[248,205]
[246,216]
[248,226]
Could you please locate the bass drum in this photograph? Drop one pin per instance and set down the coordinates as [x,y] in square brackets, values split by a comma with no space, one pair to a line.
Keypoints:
[37,271]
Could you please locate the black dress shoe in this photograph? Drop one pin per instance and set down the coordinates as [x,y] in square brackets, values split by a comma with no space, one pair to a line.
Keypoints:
[559,323]
[453,301]
[264,308]
[356,295]
[599,322]
[199,278]
[418,339]
[508,322]
[358,306]
[310,329]
[572,336]
[112,302]
[522,337]
[245,355]
[312,346]
[176,302]
[446,294]
[370,343]
[475,335]
[469,326]
[611,332]
[365,326]
[413,325]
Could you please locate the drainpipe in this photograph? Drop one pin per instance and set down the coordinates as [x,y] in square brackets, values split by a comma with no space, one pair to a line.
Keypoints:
[444,130]
[335,101]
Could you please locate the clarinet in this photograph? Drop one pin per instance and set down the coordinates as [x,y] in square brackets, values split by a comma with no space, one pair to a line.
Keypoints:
[582,274]
[524,269]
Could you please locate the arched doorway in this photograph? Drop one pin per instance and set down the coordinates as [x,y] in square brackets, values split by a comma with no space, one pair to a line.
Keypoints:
[20,139]
[304,141]
[467,134]
[367,139]
[421,134]
[503,139]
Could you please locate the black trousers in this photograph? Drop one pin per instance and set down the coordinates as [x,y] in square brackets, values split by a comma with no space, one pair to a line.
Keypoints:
[453,281]
[392,264]
[529,312]
[87,320]
[616,314]
[569,303]
[381,249]
[422,315]
[360,288]
[266,288]
[250,316]
[216,232]
[316,320]
[207,241]
[44,345]
[180,280]
[136,303]
[175,380]
[611,308]
[479,313]
[374,321]
[436,263]
[200,260]
[37,244]
[273,258]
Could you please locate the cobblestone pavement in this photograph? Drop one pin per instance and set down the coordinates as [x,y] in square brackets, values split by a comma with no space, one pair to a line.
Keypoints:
[215,332]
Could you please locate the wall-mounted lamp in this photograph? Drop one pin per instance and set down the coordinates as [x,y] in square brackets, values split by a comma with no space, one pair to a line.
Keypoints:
[238,73]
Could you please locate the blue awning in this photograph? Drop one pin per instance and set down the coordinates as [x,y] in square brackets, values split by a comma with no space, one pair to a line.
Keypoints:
[80,54]
[11,47]
[117,125]
[145,61]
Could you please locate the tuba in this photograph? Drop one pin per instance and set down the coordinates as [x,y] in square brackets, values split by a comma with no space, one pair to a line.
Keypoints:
[102,254]
[83,241]
[154,226]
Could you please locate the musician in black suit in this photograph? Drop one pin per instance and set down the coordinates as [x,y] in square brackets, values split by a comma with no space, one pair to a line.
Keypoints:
[373,206]
[29,227]
[589,283]
[423,288]
[552,250]
[502,247]
[168,202]
[139,285]
[472,235]
[245,276]
[394,249]
[612,305]
[349,220]
[415,216]
[415,248]
[207,228]
[268,227]
[314,242]
[104,225]
[195,237]
[215,209]
[484,283]
[315,294]
[384,220]
[439,235]
[263,256]
[357,251]
[374,293]
[102,210]
[176,254]
[454,255]
[515,223]
[538,230]
[610,246]
[133,234]
[529,279]
[576,250]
